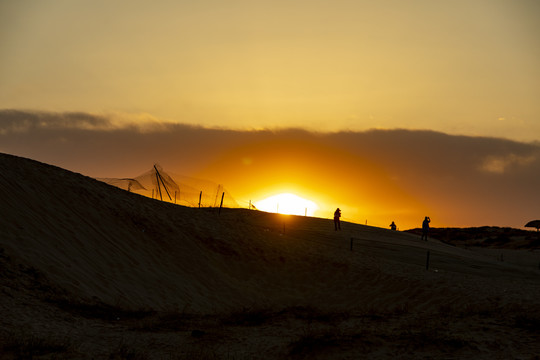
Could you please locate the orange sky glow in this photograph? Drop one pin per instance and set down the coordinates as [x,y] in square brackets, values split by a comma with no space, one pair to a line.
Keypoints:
[314,171]
[376,176]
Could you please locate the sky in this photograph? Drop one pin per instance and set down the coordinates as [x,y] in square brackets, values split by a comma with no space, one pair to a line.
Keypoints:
[464,67]
[392,110]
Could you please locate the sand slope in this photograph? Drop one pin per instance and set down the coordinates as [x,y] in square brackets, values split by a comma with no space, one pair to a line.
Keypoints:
[67,236]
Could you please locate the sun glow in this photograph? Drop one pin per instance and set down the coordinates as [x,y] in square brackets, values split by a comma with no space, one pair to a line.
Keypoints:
[287,203]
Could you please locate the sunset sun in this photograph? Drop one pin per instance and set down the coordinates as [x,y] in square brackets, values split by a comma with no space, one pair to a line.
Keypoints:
[287,203]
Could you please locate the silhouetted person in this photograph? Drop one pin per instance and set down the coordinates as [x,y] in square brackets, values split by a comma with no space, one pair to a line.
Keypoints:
[337,215]
[393,226]
[425,227]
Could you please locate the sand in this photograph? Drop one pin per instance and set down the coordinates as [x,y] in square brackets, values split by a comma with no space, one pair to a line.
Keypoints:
[92,271]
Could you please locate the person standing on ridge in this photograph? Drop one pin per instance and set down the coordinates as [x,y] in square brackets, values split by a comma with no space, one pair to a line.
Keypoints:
[393,226]
[337,215]
[425,227]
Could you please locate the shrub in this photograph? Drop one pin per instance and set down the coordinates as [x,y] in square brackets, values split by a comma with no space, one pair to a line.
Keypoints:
[248,317]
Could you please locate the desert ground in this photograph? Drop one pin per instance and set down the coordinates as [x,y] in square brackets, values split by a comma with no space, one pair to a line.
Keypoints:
[89,271]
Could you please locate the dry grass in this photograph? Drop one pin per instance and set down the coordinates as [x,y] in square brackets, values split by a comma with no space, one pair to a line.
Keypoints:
[26,345]
[304,332]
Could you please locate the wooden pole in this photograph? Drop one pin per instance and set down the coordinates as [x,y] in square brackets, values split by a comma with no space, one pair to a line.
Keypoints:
[221,204]
[159,188]
[158,175]
[200,196]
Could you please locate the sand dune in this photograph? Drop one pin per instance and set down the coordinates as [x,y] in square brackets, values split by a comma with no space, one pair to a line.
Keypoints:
[70,243]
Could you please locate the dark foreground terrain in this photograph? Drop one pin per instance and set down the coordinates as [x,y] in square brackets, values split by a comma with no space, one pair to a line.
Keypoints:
[88,271]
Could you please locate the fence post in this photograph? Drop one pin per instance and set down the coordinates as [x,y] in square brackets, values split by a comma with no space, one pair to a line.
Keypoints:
[221,204]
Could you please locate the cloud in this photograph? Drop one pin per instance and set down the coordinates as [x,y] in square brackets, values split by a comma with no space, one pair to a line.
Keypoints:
[16,121]
[499,165]
[381,175]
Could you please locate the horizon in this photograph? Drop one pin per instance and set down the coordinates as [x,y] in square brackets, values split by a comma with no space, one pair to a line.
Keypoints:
[376,176]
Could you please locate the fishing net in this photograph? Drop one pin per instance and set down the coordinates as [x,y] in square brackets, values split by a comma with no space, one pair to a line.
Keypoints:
[177,189]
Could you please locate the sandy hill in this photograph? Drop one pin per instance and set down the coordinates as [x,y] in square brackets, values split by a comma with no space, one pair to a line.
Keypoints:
[486,237]
[101,266]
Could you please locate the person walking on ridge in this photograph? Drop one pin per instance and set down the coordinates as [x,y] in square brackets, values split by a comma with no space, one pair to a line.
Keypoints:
[337,215]
[425,227]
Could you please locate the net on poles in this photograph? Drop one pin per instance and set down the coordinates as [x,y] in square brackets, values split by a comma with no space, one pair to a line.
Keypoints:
[182,190]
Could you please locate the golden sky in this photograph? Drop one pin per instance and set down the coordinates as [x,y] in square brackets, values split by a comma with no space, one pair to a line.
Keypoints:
[461,67]
[269,97]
